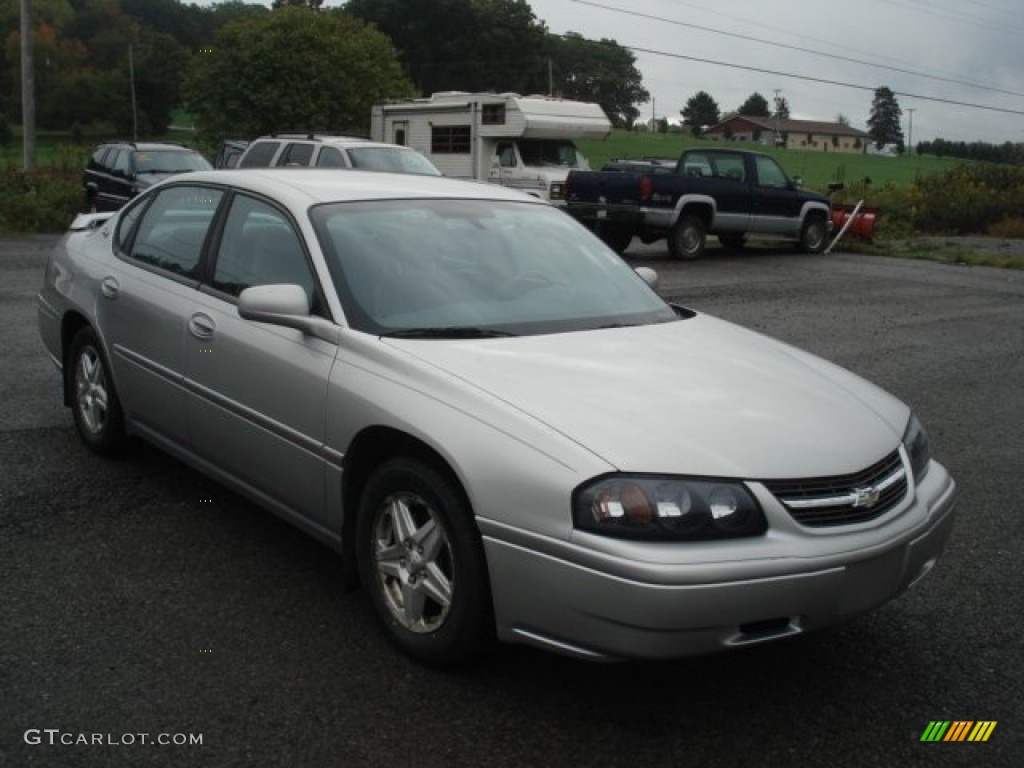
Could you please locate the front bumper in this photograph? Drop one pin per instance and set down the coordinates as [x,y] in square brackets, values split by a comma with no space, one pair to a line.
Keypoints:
[577,609]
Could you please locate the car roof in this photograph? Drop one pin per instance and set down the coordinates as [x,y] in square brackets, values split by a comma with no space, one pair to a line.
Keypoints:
[302,187]
[148,146]
[336,141]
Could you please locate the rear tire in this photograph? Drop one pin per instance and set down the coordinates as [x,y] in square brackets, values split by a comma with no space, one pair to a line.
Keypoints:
[687,238]
[616,238]
[814,234]
[94,402]
[421,561]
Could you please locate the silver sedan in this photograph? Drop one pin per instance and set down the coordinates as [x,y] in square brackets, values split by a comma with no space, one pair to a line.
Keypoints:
[490,415]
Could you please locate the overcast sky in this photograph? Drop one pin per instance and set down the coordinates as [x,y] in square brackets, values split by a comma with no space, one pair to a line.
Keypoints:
[967,41]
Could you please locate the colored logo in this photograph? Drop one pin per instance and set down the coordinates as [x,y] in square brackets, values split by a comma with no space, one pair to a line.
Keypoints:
[958,730]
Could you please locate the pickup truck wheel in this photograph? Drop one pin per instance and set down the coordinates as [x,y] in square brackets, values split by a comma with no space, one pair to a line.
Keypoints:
[617,238]
[687,238]
[814,235]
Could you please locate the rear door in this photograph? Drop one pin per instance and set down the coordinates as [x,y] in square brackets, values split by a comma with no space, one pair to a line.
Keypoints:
[145,295]
[257,392]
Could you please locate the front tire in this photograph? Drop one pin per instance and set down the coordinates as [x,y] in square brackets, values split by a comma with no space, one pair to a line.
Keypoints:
[421,561]
[814,235]
[687,238]
[94,402]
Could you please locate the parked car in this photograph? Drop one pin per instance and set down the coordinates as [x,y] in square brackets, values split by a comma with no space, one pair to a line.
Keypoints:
[118,171]
[725,192]
[230,152]
[473,399]
[309,149]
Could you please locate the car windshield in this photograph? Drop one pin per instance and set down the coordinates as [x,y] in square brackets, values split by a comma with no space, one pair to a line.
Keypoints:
[476,269]
[169,161]
[392,159]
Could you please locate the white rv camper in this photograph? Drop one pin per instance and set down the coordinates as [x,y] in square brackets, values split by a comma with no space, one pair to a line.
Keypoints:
[519,141]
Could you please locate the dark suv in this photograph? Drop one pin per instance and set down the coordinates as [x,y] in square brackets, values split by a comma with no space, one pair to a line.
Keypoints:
[119,170]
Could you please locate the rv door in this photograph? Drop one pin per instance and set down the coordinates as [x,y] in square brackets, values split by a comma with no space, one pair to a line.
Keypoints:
[504,163]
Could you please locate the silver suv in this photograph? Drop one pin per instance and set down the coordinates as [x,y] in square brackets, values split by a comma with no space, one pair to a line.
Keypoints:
[308,149]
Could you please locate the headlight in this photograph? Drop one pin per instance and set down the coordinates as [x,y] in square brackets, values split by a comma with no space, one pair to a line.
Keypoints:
[915,441]
[668,508]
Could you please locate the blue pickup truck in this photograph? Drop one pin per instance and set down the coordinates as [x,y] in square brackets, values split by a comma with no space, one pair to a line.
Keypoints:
[724,192]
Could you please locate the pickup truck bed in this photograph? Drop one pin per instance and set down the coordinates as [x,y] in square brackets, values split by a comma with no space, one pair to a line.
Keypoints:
[729,193]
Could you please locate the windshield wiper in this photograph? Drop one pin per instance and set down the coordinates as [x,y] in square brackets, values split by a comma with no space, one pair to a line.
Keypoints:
[447,332]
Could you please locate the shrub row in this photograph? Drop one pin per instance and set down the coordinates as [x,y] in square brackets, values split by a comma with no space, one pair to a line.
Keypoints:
[972,199]
[45,200]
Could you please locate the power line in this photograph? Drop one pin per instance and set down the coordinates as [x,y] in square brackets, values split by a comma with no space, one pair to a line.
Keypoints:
[797,48]
[826,81]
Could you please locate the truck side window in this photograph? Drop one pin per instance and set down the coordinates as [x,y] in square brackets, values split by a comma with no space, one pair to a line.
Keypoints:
[769,174]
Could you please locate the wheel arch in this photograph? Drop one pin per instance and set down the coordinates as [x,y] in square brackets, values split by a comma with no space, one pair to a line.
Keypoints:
[700,206]
[70,325]
[370,448]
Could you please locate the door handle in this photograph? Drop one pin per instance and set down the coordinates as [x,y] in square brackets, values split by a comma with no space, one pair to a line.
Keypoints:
[109,287]
[201,326]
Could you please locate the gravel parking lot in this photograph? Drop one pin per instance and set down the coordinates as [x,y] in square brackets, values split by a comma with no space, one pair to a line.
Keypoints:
[140,598]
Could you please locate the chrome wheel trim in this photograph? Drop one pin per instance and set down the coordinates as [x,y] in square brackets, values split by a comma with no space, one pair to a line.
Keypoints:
[414,562]
[815,236]
[91,389]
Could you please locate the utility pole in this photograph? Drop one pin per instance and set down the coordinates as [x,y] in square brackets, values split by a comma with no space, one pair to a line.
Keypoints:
[28,90]
[131,79]
[778,111]
[910,132]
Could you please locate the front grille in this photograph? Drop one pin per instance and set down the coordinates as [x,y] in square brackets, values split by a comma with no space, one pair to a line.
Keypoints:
[819,502]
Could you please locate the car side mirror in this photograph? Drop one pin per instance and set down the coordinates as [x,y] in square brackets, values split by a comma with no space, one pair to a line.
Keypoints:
[798,182]
[287,305]
[649,275]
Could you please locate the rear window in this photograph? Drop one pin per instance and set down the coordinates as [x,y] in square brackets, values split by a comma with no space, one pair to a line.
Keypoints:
[259,154]
[296,154]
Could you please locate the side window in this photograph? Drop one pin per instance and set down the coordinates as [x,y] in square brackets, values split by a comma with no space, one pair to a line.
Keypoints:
[97,157]
[296,154]
[507,155]
[123,163]
[730,167]
[173,228]
[127,225]
[769,174]
[260,247]
[330,157]
[259,155]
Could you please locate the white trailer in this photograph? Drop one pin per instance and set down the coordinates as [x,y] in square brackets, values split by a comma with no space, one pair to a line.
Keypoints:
[524,142]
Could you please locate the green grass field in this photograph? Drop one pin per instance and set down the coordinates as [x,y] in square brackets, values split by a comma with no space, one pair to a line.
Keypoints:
[817,169]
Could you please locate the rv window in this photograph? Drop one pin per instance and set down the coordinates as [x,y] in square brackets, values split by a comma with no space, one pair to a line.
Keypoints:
[493,114]
[449,139]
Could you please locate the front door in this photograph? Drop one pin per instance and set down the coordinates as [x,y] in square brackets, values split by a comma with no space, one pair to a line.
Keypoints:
[257,393]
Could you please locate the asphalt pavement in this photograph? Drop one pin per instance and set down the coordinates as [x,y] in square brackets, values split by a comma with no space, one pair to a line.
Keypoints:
[141,602]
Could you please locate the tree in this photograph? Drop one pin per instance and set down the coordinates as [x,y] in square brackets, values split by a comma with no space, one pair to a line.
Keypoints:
[700,111]
[253,81]
[602,72]
[469,45]
[312,4]
[756,105]
[884,121]
[843,119]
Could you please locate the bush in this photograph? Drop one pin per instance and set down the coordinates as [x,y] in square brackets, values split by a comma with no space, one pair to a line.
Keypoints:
[39,201]
[969,199]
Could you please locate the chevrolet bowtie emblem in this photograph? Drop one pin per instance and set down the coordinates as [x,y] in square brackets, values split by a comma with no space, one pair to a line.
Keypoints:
[865,497]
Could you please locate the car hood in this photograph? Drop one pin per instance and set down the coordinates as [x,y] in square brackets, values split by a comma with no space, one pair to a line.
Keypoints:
[149,179]
[699,396]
